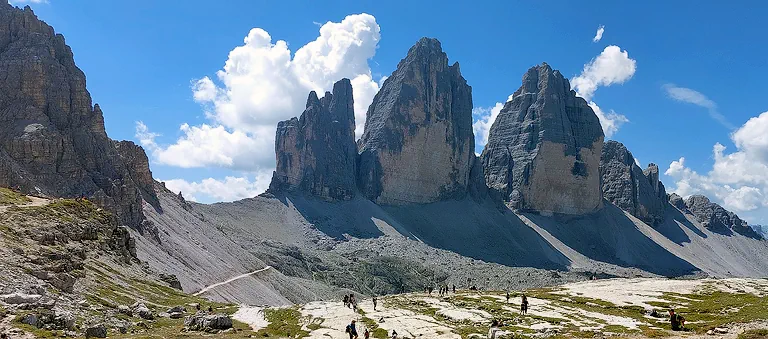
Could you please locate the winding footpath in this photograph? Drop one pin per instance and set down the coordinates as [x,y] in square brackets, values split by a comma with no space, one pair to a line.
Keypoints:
[210,287]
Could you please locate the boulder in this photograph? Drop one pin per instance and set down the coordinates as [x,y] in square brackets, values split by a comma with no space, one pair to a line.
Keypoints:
[418,144]
[316,153]
[177,309]
[202,321]
[543,150]
[97,331]
[20,298]
[52,139]
[628,187]
[122,309]
[171,280]
[143,311]
[176,315]
[32,320]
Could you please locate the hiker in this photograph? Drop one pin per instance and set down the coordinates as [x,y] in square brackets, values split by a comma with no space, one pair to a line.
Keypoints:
[367,334]
[375,301]
[197,306]
[494,330]
[210,309]
[677,321]
[507,297]
[429,290]
[524,305]
[353,302]
[351,330]
[346,300]
[454,289]
[394,334]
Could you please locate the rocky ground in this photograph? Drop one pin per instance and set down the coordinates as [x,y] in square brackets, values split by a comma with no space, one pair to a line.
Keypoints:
[604,308]
[69,270]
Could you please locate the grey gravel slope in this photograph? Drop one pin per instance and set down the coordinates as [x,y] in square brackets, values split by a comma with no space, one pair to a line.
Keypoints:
[319,248]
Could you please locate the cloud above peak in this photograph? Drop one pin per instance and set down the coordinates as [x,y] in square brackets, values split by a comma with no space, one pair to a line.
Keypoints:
[263,83]
[612,66]
[599,33]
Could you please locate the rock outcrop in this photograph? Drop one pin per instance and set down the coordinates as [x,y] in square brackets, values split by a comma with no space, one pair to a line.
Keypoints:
[543,151]
[678,202]
[316,153]
[418,144]
[717,218]
[52,138]
[628,187]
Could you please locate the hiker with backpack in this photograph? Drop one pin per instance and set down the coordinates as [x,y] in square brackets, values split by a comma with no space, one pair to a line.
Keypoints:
[375,301]
[493,332]
[524,305]
[351,330]
[676,321]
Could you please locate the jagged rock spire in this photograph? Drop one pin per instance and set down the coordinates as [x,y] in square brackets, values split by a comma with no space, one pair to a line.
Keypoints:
[316,153]
[418,144]
[543,151]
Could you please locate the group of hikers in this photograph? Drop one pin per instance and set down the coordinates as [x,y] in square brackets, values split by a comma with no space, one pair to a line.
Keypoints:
[677,321]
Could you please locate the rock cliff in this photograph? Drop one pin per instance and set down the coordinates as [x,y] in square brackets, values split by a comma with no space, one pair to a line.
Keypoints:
[316,153]
[418,144]
[715,217]
[628,187]
[52,138]
[543,151]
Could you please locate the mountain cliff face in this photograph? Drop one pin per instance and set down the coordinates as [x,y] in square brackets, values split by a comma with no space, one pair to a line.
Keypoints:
[316,153]
[418,144]
[543,151]
[628,187]
[715,217]
[52,138]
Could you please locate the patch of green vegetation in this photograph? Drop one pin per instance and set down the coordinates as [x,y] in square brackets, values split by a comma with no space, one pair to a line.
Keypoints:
[172,328]
[36,332]
[754,334]
[652,332]
[283,323]
[707,311]
[11,197]
[316,324]
[466,330]
[69,210]
[373,326]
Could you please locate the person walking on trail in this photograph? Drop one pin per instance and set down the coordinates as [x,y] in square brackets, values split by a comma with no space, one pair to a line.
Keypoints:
[524,305]
[394,334]
[367,334]
[507,297]
[454,289]
[351,330]
[375,301]
[346,300]
[677,321]
[353,302]
[493,332]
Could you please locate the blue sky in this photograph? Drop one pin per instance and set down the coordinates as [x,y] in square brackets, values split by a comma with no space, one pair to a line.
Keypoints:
[697,76]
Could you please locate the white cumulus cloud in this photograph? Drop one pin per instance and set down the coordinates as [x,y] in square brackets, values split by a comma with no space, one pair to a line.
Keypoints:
[739,179]
[261,84]
[690,96]
[484,118]
[612,66]
[599,34]
[229,189]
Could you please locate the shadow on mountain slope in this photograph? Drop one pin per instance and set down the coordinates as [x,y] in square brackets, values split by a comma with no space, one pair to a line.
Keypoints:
[479,231]
[672,226]
[610,236]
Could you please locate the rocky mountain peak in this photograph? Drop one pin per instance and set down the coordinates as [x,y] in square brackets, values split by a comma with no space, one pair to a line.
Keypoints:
[715,217]
[418,144]
[316,153]
[543,151]
[52,139]
[625,185]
